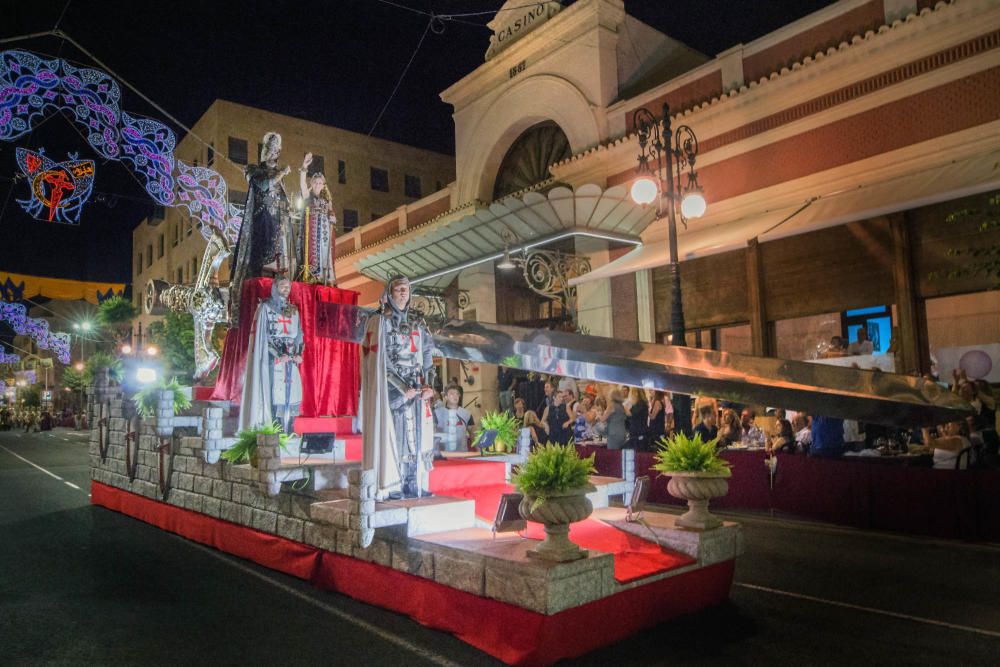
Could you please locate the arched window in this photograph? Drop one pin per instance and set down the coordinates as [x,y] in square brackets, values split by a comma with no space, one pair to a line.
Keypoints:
[527,160]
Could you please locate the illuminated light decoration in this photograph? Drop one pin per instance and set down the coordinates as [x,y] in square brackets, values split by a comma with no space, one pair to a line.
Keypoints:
[16,315]
[28,378]
[31,86]
[58,189]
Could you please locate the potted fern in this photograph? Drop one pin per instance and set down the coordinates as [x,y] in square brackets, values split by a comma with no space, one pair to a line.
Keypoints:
[697,475]
[245,449]
[163,400]
[555,482]
[506,427]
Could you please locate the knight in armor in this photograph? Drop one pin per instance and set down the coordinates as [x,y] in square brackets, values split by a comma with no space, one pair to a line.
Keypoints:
[396,378]
[272,386]
[452,422]
[266,242]
[317,239]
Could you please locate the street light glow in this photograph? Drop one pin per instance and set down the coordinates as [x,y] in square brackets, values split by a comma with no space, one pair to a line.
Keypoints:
[85,325]
[152,351]
[145,375]
[78,365]
[126,349]
[643,190]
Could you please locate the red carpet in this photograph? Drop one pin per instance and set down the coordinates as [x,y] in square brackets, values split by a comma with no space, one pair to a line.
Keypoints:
[465,473]
[512,634]
[483,482]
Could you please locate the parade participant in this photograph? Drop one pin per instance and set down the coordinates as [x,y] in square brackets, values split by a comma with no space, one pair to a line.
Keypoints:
[317,239]
[272,387]
[396,377]
[452,422]
[265,245]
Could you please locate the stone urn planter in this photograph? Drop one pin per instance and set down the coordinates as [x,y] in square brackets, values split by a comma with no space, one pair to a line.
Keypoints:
[556,513]
[697,488]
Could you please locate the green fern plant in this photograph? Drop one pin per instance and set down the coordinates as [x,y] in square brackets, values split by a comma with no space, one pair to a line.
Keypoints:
[552,469]
[147,398]
[245,448]
[506,426]
[683,454]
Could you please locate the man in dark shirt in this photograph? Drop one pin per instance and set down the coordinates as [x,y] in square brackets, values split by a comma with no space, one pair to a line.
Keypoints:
[707,428]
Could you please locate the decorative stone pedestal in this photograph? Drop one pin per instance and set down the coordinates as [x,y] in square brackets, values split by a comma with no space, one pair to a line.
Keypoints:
[556,513]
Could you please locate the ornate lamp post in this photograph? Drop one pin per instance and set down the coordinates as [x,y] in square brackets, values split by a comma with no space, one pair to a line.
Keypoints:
[664,154]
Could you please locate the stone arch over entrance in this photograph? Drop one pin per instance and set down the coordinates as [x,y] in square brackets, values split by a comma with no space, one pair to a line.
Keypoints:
[539,99]
[527,160]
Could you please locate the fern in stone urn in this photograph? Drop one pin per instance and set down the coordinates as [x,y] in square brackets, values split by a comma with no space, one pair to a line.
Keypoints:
[697,474]
[555,482]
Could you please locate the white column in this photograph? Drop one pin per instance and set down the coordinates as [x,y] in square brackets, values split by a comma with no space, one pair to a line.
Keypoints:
[593,299]
[644,305]
[480,281]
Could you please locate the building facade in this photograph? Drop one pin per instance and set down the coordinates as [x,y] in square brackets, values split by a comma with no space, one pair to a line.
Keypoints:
[832,153]
[367,177]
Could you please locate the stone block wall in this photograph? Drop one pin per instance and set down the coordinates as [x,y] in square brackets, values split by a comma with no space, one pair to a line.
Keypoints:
[239,494]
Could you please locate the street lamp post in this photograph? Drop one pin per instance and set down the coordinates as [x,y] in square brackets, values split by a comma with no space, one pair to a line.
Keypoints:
[663,155]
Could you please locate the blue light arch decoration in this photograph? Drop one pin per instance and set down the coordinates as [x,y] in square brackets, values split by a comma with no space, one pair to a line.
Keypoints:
[32,86]
[58,189]
[16,315]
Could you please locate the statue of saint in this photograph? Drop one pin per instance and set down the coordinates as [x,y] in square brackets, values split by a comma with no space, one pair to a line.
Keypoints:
[317,239]
[266,243]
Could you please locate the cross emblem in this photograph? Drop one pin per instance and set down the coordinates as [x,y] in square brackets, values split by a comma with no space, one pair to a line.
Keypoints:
[284,322]
[414,335]
[369,346]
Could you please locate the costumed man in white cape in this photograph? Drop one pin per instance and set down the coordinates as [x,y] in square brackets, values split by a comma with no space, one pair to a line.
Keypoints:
[272,386]
[397,423]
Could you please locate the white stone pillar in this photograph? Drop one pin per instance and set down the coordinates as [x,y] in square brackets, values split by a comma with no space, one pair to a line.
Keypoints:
[644,305]
[593,299]
[480,281]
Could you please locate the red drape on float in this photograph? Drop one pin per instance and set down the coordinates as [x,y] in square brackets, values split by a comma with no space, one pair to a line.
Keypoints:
[330,371]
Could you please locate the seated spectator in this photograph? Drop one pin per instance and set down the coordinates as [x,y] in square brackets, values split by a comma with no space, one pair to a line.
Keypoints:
[706,428]
[537,428]
[803,434]
[951,441]
[753,435]
[862,345]
[519,409]
[783,439]
[731,432]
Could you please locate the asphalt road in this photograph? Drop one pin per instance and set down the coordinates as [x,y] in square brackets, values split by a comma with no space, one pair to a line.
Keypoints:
[83,585]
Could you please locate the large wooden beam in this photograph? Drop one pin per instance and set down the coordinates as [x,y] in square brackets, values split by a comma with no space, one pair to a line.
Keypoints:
[908,329]
[760,333]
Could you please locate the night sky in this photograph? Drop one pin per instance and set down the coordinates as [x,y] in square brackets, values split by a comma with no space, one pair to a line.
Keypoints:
[334,62]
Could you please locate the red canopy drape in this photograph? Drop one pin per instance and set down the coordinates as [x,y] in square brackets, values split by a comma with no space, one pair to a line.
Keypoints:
[330,372]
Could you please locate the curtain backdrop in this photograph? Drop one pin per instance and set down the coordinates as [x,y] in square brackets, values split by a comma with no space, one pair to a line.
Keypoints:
[330,372]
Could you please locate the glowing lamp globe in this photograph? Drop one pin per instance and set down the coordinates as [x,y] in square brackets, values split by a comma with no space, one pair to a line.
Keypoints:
[693,205]
[78,366]
[126,349]
[643,191]
[152,351]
